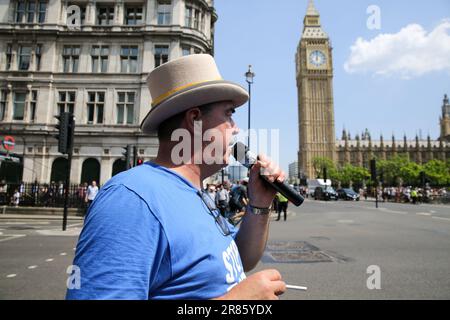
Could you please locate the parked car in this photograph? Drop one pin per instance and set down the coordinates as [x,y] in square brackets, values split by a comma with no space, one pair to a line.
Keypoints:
[325,193]
[348,194]
[314,183]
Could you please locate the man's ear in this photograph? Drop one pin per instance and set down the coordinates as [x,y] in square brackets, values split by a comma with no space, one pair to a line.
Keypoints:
[191,116]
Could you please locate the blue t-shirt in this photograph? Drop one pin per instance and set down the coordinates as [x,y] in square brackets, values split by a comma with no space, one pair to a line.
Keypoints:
[149,235]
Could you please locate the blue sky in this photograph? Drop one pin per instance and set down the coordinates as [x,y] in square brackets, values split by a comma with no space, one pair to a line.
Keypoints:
[266,34]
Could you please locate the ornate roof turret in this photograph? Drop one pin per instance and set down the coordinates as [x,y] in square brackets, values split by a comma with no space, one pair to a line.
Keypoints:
[312,28]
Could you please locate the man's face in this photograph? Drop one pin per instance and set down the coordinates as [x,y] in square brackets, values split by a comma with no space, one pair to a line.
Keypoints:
[219,121]
[94,183]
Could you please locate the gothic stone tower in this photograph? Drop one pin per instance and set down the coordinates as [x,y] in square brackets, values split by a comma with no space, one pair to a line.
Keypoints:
[445,120]
[315,93]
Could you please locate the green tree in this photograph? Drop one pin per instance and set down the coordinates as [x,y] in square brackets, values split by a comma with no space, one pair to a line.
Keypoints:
[319,163]
[349,173]
[437,172]
[397,168]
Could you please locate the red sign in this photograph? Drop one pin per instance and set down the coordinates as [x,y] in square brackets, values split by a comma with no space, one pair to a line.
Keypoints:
[8,143]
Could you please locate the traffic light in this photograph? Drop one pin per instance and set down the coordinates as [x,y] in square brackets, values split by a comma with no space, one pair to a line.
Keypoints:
[135,156]
[127,154]
[422,178]
[139,161]
[373,170]
[64,131]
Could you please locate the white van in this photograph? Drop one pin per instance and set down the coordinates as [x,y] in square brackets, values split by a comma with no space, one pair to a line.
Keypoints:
[314,183]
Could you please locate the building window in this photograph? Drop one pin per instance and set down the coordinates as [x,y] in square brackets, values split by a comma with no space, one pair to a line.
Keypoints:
[203,23]
[42,10]
[8,56]
[37,55]
[197,51]
[196,19]
[188,17]
[125,108]
[66,101]
[161,55]
[133,16]
[164,12]
[24,57]
[33,104]
[96,102]
[186,50]
[99,55]
[3,104]
[105,15]
[128,59]
[19,105]
[20,11]
[30,11]
[71,56]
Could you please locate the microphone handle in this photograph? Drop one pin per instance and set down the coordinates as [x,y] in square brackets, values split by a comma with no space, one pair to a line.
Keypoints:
[286,190]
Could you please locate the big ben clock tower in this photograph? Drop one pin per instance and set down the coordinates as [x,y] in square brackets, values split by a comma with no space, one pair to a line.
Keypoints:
[315,94]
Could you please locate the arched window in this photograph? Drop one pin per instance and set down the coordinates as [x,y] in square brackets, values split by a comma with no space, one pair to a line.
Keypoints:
[118,166]
[59,170]
[90,171]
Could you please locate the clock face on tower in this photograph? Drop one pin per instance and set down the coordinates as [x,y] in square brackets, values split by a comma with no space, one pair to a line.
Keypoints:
[317,58]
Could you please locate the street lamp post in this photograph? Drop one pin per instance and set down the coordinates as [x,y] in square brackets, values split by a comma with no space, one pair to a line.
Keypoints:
[249,75]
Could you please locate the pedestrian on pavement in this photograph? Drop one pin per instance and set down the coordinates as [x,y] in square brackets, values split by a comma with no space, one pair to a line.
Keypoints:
[238,197]
[282,205]
[16,198]
[211,190]
[222,199]
[151,233]
[91,193]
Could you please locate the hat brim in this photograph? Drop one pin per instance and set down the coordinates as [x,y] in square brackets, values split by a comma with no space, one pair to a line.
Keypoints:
[195,97]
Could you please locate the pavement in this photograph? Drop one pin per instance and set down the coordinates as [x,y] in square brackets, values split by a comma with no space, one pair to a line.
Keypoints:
[328,247]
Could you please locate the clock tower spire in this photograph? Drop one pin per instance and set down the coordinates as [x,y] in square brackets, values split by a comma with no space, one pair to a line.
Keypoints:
[315,93]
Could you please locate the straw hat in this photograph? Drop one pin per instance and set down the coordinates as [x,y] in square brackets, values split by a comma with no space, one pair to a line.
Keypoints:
[185,83]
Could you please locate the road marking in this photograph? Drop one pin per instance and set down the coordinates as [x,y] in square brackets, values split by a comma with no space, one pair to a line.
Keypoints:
[423,214]
[1,233]
[22,223]
[346,221]
[32,267]
[63,254]
[11,275]
[70,232]
[440,218]
[74,249]
[75,225]
[392,211]
[49,260]
[11,236]
[432,211]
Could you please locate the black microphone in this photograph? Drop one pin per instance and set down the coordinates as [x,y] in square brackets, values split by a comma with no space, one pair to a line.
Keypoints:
[248,159]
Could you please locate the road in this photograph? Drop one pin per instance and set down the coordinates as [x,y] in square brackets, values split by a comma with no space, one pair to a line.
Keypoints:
[409,243]
[34,256]
[325,246]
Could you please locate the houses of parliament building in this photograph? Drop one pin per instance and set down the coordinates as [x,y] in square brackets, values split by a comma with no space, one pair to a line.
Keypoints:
[314,63]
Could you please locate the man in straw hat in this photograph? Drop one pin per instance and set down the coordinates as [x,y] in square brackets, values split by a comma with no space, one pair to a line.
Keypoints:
[151,232]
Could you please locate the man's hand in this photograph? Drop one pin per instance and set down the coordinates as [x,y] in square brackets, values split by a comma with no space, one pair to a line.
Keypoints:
[259,192]
[263,285]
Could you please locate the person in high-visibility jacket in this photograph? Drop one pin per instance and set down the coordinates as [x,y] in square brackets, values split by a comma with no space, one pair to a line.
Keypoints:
[282,205]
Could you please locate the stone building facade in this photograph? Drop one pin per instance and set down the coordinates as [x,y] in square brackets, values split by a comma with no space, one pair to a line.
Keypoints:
[91,58]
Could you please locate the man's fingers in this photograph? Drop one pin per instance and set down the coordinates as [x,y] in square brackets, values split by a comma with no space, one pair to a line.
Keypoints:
[272,274]
[279,287]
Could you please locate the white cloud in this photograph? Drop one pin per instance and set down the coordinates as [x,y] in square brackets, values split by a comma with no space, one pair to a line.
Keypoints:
[410,53]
